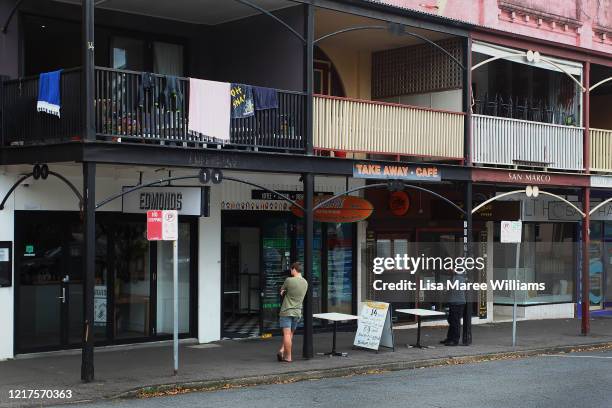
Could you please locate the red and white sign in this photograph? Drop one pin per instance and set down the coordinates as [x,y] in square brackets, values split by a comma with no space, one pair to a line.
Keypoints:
[162,225]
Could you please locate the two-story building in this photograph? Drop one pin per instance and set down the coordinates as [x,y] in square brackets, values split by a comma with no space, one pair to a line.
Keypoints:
[299,99]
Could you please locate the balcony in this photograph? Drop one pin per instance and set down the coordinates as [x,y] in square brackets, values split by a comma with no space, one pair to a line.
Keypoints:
[350,125]
[500,141]
[120,119]
[601,150]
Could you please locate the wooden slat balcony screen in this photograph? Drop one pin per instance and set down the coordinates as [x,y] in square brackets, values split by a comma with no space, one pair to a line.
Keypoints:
[382,128]
[601,149]
[514,142]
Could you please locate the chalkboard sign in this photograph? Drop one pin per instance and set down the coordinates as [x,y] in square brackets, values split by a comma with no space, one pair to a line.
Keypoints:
[374,328]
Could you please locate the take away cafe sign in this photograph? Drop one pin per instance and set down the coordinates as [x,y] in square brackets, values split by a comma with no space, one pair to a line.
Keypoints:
[185,200]
[397,172]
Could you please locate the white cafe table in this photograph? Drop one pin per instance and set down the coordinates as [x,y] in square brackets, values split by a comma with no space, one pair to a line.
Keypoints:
[335,317]
[419,313]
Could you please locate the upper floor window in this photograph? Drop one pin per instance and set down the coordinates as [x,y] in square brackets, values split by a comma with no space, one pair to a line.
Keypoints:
[139,55]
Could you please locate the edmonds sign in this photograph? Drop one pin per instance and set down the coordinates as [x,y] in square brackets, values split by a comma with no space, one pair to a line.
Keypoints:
[185,200]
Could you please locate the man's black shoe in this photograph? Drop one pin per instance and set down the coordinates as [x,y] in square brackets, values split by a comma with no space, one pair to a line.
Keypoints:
[443,341]
[451,343]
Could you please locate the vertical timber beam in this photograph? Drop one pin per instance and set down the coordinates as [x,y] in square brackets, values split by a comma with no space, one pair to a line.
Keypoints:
[89,250]
[467,101]
[468,235]
[586,276]
[586,221]
[309,75]
[308,275]
[308,178]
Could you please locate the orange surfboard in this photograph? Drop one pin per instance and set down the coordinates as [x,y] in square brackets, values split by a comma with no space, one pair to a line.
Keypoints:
[343,209]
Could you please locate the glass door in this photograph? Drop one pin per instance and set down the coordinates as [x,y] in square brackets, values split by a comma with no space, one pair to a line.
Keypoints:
[132,281]
[41,295]
[276,260]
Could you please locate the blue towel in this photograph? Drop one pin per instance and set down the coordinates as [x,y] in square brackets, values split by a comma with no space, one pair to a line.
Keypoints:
[49,93]
[265,98]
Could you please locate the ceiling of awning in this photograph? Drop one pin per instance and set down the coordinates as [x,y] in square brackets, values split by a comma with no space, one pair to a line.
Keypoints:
[208,12]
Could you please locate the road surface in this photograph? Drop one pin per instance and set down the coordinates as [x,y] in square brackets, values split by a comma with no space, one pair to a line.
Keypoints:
[559,381]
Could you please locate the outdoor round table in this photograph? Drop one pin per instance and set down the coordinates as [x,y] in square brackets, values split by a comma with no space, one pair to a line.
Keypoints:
[419,313]
[335,317]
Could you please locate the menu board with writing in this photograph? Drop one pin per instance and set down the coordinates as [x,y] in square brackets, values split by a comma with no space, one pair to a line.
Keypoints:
[374,327]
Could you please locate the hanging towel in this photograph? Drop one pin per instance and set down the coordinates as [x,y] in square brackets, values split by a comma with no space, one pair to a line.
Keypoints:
[146,90]
[49,93]
[172,95]
[265,98]
[243,105]
[209,109]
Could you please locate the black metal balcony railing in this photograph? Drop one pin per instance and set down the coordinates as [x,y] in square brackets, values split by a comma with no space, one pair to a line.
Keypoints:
[23,125]
[122,116]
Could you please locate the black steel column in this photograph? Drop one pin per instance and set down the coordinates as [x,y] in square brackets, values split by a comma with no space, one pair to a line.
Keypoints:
[89,192]
[308,178]
[87,76]
[468,233]
[308,275]
[89,264]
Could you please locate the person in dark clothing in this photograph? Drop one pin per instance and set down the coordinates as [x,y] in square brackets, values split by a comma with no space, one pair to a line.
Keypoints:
[456,306]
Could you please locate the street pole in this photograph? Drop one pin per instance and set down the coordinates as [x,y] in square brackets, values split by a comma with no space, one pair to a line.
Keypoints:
[175,300]
[516,272]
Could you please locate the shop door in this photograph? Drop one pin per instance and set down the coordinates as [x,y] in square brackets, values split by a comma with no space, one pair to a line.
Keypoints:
[49,290]
[242,292]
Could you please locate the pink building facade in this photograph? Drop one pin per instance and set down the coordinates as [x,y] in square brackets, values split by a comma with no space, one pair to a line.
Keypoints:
[582,23]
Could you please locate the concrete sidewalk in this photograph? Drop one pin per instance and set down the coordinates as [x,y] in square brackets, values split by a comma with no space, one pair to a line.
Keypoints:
[120,371]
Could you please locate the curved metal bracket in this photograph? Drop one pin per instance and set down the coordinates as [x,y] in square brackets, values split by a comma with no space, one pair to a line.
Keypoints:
[160,181]
[284,197]
[598,206]
[410,186]
[542,58]
[600,83]
[27,176]
[10,16]
[138,187]
[272,16]
[348,30]
[478,207]
[395,31]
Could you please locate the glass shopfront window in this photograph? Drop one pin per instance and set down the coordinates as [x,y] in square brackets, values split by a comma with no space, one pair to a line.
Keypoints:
[281,241]
[548,255]
[133,280]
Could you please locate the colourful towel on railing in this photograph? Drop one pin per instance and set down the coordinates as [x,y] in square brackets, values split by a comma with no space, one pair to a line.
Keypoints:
[49,93]
[265,98]
[243,105]
[209,109]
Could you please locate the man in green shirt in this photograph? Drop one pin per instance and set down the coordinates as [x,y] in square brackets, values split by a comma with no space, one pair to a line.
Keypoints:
[293,292]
